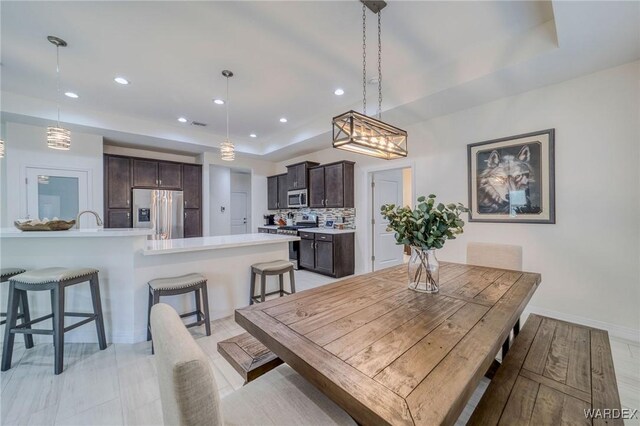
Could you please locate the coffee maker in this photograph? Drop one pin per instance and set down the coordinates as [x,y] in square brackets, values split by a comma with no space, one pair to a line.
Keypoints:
[269,219]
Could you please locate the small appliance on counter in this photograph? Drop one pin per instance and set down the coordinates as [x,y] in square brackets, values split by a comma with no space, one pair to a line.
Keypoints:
[269,219]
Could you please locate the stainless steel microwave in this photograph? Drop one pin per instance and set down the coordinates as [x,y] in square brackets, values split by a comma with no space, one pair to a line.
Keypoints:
[297,199]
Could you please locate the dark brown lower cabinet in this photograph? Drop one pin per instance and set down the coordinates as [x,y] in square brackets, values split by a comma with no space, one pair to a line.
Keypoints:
[328,254]
[192,223]
[119,218]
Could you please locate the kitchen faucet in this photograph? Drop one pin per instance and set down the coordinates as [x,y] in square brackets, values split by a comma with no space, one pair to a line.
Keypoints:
[98,220]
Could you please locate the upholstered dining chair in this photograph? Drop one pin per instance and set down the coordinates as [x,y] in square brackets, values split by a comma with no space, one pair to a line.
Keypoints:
[502,256]
[189,393]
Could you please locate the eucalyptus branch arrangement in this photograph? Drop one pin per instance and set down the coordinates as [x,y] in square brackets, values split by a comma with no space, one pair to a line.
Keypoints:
[426,227]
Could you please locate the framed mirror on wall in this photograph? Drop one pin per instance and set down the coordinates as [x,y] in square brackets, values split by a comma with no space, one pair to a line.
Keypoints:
[57,193]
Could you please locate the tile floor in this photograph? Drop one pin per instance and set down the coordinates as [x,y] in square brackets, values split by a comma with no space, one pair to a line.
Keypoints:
[118,385]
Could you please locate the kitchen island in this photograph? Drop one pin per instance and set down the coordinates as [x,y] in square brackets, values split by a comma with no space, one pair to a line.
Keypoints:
[127,260]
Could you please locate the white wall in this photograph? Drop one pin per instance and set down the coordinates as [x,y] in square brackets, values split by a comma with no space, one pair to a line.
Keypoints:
[589,260]
[27,146]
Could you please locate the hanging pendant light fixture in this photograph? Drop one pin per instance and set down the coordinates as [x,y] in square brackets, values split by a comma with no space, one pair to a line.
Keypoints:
[227,150]
[360,133]
[58,137]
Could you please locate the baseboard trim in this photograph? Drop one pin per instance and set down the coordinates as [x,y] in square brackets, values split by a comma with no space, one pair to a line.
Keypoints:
[613,329]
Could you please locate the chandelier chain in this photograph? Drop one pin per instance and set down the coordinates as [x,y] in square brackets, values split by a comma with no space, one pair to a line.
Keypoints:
[364,59]
[227,108]
[58,80]
[379,66]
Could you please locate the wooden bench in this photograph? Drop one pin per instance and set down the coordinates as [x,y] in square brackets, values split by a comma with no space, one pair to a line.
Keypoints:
[554,371]
[250,358]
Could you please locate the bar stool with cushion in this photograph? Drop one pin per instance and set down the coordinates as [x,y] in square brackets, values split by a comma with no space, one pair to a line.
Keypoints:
[55,280]
[181,285]
[277,267]
[23,305]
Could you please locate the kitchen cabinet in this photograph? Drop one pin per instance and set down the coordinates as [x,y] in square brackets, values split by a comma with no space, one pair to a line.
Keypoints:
[328,254]
[122,174]
[192,223]
[332,185]
[145,173]
[277,192]
[118,218]
[297,175]
[169,175]
[117,182]
[192,184]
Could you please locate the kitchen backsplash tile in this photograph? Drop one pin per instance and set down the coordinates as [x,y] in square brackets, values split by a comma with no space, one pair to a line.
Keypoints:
[346,216]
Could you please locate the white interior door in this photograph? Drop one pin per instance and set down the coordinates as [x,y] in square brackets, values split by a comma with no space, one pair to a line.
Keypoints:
[386,189]
[239,212]
[56,193]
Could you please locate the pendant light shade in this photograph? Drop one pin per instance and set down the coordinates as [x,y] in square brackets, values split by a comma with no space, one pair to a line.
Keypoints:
[360,133]
[1,148]
[227,150]
[58,137]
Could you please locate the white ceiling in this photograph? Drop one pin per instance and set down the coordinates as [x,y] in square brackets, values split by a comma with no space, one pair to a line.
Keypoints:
[288,57]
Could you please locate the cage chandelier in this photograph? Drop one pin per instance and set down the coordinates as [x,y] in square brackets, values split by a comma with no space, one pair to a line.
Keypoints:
[227,150]
[360,133]
[57,136]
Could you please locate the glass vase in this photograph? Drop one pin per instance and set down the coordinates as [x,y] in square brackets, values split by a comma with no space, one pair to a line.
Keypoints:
[424,270]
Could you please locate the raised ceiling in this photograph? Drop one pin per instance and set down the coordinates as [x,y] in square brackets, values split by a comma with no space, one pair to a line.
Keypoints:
[287,57]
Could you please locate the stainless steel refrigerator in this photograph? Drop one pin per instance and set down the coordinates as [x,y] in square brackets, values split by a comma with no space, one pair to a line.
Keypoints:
[159,210]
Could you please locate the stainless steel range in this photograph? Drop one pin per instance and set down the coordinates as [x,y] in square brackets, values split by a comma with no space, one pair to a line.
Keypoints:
[302,221]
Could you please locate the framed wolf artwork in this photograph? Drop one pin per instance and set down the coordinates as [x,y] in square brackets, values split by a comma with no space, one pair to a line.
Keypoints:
[512,179]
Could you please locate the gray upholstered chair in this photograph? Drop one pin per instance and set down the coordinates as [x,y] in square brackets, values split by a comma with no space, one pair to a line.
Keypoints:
[189,394]
[502,256]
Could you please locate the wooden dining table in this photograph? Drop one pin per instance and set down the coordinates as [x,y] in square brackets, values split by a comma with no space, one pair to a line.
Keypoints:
[390,355]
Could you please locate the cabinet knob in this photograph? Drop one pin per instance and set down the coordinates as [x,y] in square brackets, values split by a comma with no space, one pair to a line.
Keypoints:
[128,215]
[127,202]
[160,182]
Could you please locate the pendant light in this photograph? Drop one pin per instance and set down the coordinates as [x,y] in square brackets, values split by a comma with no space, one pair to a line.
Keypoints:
[360,133]
[227,150]
[58,137]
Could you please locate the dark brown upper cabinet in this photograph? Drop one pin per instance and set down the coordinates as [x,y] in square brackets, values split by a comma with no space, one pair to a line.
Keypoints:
[192,184]
[169,175]
[277,192]
[117,178]
[145,173]
[297,175]
[332,185]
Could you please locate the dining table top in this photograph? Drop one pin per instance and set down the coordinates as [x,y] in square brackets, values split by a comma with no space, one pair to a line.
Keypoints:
[390,355]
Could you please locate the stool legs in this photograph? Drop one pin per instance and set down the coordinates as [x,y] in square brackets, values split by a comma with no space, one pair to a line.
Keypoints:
[12,309]
[281,280]
[205,303]
[198,306]
[263,286]
[97,310]
[58,328]
[252,290]
[150,305]
[26,317]
[292,281]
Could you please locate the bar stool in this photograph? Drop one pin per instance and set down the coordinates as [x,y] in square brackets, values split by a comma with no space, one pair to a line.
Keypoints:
[181,285]
[56,280]
[277,267]
[23,305]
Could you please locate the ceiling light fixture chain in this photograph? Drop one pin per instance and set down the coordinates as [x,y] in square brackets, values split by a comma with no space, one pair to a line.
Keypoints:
[379,66]
[227,98]
[58,80]
[364,59]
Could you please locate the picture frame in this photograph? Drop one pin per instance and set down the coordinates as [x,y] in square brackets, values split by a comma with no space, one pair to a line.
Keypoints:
[512,179]
[328,224]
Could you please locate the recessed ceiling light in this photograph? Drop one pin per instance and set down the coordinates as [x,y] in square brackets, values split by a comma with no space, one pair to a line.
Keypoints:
[71,95]
[182,120]
[338,92]
[218,101]
[121,80]
[283,120]
[253,135]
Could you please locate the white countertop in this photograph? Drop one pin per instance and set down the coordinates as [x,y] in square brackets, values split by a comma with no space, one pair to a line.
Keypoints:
[328,231]
[156,247]
[74,233]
